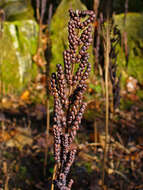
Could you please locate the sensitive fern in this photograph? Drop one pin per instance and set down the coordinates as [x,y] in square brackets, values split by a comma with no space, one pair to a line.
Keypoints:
[68,87]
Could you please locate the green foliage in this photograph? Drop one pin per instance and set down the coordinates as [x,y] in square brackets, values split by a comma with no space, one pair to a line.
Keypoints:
[88,167]
[8,155]
[96,88]
[126,104]
[134,25]
[51,170]
[140,94]
[23,172]
[134,30]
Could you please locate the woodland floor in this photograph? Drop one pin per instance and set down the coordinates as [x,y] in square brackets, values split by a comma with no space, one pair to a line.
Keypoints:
[22,148]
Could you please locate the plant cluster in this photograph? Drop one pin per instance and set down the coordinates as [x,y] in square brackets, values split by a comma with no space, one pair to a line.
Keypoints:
[68,86]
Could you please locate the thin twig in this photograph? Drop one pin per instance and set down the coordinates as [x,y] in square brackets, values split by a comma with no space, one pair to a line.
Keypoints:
[107,50]
[47,57]
[125,38]
[54,176]
[95,132]
[47,135]
[2,19]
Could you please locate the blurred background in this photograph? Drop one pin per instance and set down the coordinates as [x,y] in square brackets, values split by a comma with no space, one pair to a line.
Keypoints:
[33,36]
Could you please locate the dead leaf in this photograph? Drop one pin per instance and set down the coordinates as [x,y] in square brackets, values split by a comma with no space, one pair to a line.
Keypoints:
[96,24]
[25,95]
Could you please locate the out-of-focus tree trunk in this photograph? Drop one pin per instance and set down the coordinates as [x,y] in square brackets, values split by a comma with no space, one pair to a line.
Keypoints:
[107,7]
[96,5]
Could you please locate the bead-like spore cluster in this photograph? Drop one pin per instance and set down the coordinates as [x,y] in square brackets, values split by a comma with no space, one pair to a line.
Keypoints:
[68,86]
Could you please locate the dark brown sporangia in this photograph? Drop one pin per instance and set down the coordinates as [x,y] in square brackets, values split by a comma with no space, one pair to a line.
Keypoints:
[115,80]
[68,86]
